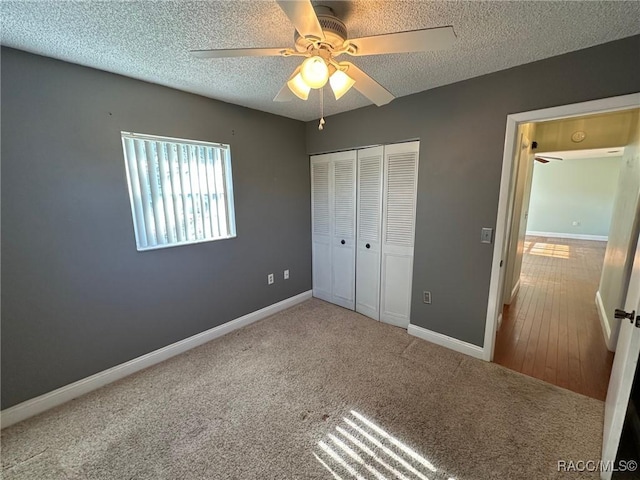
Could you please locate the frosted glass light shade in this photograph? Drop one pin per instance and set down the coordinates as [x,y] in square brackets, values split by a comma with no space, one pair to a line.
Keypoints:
[340,83]
[298,86]
[315,72]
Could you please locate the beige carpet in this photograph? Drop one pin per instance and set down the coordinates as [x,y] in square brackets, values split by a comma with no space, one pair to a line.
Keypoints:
[313,392]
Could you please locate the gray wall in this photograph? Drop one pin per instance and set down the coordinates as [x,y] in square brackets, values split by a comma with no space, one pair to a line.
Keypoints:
[461,128]
[77,297]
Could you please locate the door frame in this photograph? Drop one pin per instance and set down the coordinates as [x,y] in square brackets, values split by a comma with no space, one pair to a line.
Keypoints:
[503,222]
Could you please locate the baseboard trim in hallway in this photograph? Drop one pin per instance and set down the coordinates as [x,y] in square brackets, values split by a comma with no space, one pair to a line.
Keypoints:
[57,397]
[446,341]
[604,322]
[572,236]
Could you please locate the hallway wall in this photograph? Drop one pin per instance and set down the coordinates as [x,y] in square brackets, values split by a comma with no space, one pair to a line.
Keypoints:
[623,237]
[573,190]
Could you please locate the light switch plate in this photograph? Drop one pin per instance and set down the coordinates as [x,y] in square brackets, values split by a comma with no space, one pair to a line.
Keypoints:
[486,236]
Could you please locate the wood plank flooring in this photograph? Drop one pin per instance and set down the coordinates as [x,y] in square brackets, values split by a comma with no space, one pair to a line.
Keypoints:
[551,330]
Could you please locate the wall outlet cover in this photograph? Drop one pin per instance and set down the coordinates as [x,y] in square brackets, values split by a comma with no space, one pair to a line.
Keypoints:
[426,297]
[270,278]
[286,274]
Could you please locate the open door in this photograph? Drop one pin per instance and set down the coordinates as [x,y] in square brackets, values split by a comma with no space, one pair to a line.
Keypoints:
[624,369]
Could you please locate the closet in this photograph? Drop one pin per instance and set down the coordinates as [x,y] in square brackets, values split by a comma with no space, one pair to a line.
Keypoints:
[363,227]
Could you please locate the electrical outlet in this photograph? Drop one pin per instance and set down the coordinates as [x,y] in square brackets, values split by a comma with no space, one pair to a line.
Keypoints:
[576,223]
[426,297]
[270,278]
[286,274]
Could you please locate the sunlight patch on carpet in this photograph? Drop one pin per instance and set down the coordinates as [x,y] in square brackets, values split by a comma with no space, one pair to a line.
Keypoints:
[362,449]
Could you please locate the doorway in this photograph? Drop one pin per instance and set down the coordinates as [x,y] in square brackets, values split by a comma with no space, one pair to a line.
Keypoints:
[549,326]
[565,189]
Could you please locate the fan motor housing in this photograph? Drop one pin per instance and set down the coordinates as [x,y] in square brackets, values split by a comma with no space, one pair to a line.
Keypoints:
[335,31]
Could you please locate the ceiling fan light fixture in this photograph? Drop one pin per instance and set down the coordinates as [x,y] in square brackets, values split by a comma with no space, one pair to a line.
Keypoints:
[298,86]
[314,72]
[340,83]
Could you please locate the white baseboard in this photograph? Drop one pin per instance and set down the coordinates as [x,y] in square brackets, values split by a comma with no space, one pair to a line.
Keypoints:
[604,323]
[574,236]
[37,405]
[445,341]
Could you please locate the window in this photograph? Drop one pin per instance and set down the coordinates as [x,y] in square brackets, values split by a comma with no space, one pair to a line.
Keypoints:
[181,190]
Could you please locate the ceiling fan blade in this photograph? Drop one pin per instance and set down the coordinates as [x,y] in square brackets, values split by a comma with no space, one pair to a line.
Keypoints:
[547,158]
[239,52]
[303,17]
[367,85]
[424,40]
[541,160]
[284,95]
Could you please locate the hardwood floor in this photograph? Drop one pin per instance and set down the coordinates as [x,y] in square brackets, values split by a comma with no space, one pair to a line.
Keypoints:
[551,330]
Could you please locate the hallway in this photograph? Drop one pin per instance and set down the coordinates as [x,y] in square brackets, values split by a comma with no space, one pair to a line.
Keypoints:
[551,330]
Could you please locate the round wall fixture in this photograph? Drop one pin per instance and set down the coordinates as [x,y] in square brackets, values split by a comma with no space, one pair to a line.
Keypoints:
[578,136]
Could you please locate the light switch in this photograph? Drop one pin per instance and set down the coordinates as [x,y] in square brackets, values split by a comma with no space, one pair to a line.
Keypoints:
[486,235]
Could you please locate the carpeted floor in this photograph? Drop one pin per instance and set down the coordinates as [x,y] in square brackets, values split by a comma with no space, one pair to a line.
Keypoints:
[314,392]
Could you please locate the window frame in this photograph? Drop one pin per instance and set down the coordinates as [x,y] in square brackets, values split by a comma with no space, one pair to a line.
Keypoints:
[227,182]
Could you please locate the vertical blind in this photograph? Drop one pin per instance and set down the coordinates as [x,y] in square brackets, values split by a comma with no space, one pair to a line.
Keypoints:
[181,190]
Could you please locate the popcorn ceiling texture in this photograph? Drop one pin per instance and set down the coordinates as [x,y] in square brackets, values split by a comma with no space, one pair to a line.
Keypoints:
[151,41]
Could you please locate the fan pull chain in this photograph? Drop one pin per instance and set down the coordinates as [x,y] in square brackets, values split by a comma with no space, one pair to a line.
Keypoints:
[322,122]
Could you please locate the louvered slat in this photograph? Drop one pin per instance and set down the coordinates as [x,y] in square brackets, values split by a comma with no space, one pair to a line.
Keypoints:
[369,192]
[135,192]
[400,212]
[147,198]
[167,192]
[344,206]
[321,223]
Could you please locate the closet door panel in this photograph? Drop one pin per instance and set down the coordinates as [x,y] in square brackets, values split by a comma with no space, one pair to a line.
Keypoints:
[369,231]
[321,226]
[343,253]
[397,288]
[343,275]
[398,227]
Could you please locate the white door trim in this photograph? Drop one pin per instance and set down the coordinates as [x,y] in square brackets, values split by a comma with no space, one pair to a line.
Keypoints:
[494,305]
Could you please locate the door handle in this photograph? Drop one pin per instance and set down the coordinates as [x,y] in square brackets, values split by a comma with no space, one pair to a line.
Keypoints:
[342,242]
[368,246]
[621,314]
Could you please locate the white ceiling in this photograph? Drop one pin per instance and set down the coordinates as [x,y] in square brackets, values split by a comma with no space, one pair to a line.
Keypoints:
[584,154]
[150,41]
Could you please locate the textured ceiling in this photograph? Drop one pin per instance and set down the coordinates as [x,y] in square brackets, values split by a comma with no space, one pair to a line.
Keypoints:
[150,41]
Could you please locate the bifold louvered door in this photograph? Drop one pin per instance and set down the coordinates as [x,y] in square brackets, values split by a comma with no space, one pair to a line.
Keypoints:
[369,233]
[321,226]
[398,231]
[365,265]
[333,192]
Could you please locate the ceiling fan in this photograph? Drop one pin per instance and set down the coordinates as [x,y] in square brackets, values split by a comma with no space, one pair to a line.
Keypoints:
[546,158]
[321,37]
